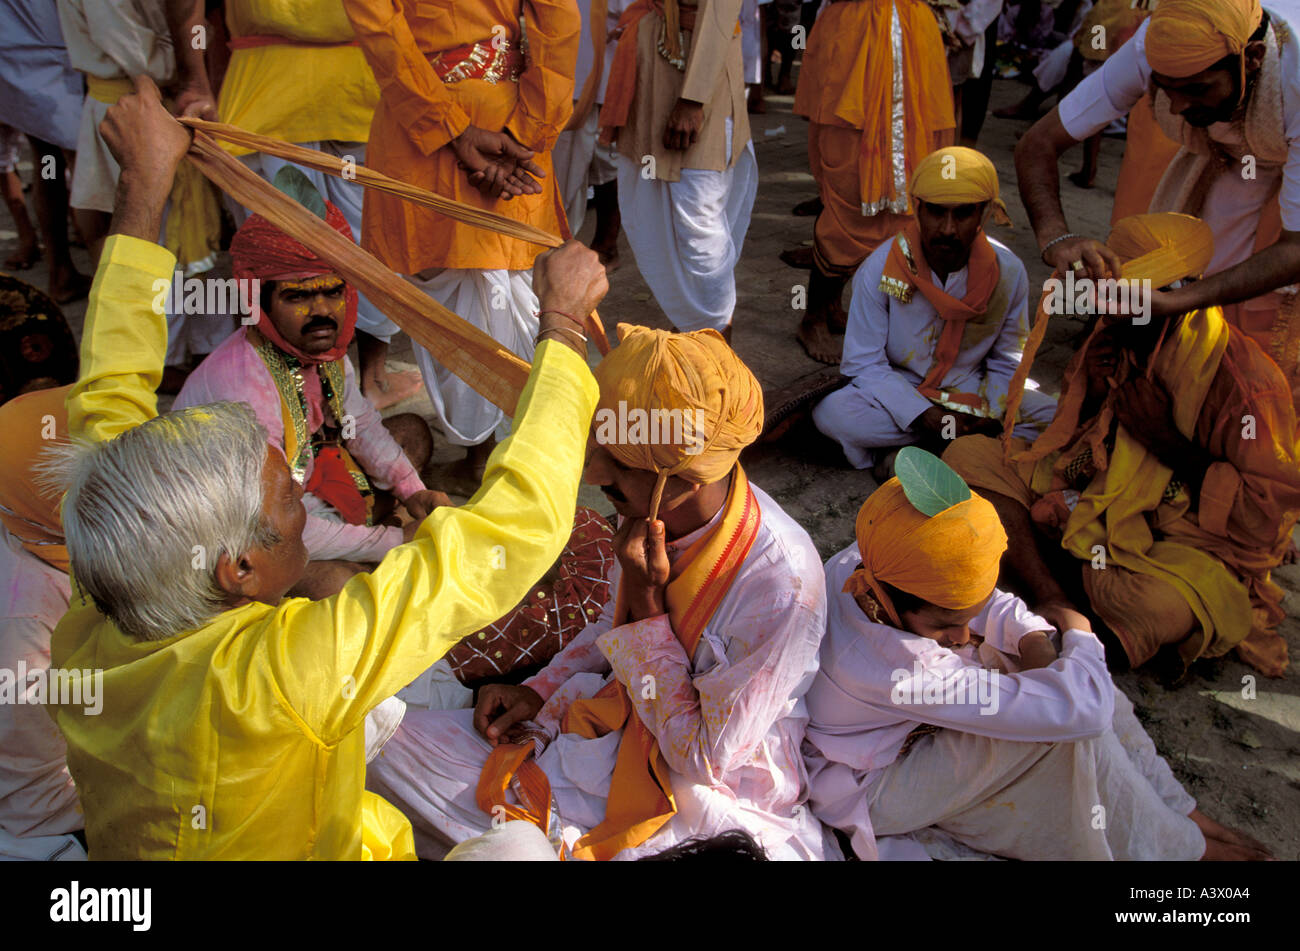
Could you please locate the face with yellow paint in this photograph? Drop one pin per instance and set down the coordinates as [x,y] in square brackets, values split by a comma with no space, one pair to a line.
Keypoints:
[308,313]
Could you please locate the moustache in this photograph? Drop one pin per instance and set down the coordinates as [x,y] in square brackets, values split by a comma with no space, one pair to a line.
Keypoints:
[317,323]
[613,493]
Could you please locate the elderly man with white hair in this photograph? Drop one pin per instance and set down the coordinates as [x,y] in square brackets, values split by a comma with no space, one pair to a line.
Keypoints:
[231,717]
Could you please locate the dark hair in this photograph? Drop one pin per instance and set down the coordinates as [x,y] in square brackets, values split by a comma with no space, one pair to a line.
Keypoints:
[735,845]
[1230,61]
[903,601]
[266,289]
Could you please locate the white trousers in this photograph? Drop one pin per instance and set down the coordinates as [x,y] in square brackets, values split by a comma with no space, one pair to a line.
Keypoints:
[347,196]
[857,420]
[686,236]
[502,304]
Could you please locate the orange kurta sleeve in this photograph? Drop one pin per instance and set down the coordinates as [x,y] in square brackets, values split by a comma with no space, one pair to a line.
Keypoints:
[411,88]
[546,86]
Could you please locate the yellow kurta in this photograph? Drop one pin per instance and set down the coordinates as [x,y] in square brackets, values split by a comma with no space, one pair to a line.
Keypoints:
[243,739]
[313,85]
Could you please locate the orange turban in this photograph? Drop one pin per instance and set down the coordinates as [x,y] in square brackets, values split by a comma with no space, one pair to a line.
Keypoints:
[1162,247]
[957,175]
[31,423]
[1188,36]
[950,559]
[676,403]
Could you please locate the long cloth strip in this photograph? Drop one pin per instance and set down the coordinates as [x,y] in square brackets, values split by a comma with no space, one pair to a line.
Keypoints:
[368,177]
[491,369]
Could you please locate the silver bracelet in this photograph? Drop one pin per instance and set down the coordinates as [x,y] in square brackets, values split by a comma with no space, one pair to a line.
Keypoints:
[582,341]
[1068,234]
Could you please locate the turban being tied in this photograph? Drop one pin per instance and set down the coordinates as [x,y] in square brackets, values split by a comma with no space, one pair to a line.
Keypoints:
[1162,247]
[261,250]
[29,512]
[950,559]
[958,176]
[1188,36]
[696,373]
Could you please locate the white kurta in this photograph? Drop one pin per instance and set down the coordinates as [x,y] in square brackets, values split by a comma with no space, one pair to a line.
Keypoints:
[500,303]
[687,235]
[38,801]
[889,349]
[1234,203]
[729,722]
[1053,743]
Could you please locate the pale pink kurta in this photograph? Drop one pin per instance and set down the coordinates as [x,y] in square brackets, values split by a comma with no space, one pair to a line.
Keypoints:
[729,722]
[37,797]
[235,372]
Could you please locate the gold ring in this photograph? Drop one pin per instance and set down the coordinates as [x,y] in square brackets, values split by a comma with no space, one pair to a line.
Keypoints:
[1077,265]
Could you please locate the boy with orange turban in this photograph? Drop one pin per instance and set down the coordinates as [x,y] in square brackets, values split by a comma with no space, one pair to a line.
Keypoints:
[1174,454]
[677,712]
[937,324]
[1222,80]
[942,702]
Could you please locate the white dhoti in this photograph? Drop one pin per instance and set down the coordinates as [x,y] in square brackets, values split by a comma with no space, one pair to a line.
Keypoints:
[572,158]
[430,770]
[500,303]
[346,195]
[855,418]
[686,236]
[1111,797]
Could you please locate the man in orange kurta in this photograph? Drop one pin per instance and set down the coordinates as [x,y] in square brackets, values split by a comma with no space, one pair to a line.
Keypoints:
[876,92]
[465,112]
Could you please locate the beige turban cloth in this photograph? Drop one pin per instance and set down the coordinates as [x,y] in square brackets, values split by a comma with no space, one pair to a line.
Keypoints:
[950,559]
[1162,247]
[1188,36]
[957,175]
[697,374]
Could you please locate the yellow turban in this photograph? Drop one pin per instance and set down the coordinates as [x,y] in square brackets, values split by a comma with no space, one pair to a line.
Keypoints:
[676,403]
[30,423]
[1162,247]
[958,176]
[1188,36]
[950,560]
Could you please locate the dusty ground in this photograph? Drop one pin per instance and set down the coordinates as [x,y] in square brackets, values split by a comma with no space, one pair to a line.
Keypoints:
[1239,757]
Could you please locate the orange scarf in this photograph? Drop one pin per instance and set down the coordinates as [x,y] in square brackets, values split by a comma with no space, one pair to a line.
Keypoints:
[640,793]
[906,267]
[621,85]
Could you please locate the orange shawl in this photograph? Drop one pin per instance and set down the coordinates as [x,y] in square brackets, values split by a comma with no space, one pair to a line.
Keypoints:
[640,794]
[906,270]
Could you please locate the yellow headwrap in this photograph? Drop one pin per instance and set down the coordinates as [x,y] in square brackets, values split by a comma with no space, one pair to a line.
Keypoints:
[958,176]
[697,374]
[31,423]
[1162,247]
[950,560]
[1188,36]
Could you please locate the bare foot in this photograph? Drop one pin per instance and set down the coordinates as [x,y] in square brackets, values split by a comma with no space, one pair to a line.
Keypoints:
[609,258]
[1292,555]
[68,286]
[24,258]
[393,389]
[1218,851]
[883,470]
[1083,181]
[818,341]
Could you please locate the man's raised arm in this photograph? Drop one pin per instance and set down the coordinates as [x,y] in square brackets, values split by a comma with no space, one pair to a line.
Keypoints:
[124,343]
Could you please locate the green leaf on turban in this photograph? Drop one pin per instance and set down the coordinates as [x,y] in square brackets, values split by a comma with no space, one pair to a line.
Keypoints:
[298,186]
[929,483]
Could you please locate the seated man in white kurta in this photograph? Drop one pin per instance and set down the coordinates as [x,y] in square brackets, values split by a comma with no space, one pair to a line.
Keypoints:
[942,702]
[695,670]
[937,324]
